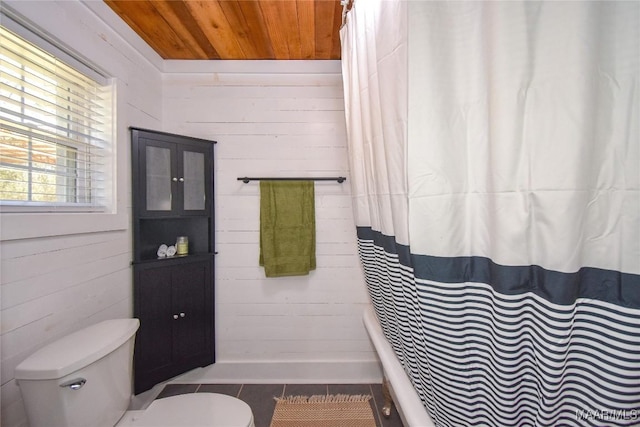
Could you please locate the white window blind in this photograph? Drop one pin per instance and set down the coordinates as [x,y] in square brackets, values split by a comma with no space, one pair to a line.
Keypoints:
[54,123]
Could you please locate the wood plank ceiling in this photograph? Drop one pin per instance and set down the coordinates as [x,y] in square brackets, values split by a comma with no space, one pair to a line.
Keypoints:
[236,29]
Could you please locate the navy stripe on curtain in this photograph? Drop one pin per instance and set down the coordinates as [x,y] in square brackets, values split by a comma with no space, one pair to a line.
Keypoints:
[557,287]
[486,344]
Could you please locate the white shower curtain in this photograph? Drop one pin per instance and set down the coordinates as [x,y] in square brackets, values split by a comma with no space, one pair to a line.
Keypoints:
[495,162]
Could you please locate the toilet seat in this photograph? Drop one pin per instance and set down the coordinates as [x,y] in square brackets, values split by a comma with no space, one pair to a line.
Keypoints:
[193,410]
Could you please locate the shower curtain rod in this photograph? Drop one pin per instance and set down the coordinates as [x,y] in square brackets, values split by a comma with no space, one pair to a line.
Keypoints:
[340,179]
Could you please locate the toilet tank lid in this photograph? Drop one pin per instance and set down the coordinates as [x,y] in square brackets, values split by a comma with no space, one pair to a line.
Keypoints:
[76,350]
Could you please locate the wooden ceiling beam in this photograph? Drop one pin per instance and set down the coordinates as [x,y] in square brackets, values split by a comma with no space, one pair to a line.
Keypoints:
[307,28]
[324,28]
[178,15]
[213,23]
[145,20]
[245,17]
[235,29]
[280,18]
[336,48]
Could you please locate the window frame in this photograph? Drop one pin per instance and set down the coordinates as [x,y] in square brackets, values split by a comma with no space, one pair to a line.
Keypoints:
[107,204]
[18,223]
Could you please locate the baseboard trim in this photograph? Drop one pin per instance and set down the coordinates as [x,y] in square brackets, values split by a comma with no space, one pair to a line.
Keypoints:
[287,372]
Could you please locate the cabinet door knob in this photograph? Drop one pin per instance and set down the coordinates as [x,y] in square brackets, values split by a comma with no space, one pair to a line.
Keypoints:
[174,179]
[182,315]
[181,180]
[175,316]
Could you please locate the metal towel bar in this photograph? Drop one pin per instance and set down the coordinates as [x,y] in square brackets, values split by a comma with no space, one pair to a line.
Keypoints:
[340,179]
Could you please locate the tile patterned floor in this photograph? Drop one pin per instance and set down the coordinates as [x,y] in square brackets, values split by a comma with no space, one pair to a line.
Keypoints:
[260,397]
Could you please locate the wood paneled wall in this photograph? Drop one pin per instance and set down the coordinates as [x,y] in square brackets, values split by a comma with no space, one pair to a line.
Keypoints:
[58,282]
[276,119]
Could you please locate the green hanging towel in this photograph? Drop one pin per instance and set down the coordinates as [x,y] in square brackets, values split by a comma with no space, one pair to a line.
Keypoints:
[287,228]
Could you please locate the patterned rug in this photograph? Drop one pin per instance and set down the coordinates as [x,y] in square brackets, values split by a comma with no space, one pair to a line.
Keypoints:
[339,410]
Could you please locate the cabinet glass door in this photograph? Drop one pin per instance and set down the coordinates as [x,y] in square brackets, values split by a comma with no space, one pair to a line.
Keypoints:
[194,191]
[158,178]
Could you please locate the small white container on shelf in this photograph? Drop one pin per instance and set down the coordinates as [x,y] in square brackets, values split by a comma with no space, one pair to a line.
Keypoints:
[182,245]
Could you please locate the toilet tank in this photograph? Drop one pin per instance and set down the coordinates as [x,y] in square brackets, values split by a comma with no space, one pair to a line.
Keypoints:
[82,379]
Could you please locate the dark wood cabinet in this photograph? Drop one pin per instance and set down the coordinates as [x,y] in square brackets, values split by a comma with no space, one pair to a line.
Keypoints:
[173,304]
[173,296]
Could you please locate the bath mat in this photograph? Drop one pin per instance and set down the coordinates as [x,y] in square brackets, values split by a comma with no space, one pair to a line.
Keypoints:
[339,410]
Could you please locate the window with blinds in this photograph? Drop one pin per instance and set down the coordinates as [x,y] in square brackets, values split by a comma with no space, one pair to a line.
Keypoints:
[54,123]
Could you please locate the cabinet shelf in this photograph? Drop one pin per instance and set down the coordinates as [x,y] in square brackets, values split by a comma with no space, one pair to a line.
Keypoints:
[176,259]
[153,232]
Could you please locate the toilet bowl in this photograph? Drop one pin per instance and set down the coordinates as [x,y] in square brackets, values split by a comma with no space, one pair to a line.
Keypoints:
[84,379]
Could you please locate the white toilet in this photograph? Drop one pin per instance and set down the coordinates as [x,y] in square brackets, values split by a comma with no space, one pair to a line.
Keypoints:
[84,380]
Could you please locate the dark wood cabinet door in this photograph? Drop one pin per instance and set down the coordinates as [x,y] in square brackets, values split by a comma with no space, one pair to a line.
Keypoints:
[194,180]
[153,346]
[192,304]
[158,178]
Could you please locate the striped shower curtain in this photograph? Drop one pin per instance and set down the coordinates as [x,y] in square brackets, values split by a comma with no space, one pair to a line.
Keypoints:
[495,165]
